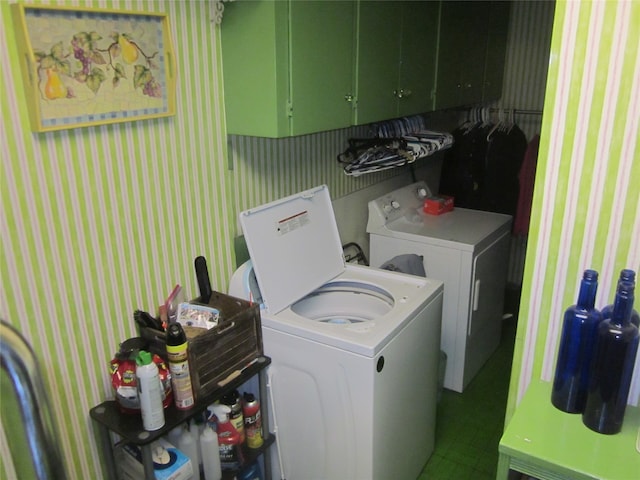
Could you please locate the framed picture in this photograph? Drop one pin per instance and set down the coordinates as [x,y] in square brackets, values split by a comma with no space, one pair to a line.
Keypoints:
[85,67]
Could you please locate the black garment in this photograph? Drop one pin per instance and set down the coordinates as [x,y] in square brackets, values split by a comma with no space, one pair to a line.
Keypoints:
[505,153]
[483,174]
[463,168]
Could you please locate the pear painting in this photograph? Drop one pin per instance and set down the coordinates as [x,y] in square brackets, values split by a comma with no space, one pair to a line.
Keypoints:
[89,66]
[54,88]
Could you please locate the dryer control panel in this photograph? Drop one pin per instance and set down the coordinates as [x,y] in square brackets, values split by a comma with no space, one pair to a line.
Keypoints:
[396,204]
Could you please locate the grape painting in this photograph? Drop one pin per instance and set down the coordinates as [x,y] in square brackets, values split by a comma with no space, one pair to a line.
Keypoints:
[89,65]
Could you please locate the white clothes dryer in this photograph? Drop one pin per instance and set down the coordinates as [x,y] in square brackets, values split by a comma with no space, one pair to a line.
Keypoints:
[353,378]
[469,251]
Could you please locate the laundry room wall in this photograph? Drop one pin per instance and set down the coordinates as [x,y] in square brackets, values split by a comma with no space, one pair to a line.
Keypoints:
[526,63]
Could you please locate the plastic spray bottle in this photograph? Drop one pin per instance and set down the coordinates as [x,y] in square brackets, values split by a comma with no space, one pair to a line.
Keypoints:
[228,438]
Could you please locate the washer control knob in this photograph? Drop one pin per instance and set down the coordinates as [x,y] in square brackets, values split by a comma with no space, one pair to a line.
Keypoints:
[395,204]
[387,208]
[422,193]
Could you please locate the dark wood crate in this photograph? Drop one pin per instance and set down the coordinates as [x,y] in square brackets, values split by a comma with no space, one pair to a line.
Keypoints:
[218,352]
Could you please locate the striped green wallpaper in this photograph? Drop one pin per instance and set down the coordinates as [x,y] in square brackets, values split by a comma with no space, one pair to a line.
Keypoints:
[100,221]
[586,208]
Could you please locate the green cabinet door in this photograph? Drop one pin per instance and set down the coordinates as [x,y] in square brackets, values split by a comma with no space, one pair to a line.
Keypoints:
[499,14]
[418,57]
[471,55]
[461,55]
[377,60]
[395,58]
[287,66]
[254,43]
[321,65]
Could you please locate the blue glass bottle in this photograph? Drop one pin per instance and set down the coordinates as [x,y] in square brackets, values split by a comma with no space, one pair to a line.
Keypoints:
[612,368]
[579,330]
[626,275]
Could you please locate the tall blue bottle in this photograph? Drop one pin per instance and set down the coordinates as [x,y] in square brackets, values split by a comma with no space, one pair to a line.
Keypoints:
[626,275]
[579,331]
[612,368]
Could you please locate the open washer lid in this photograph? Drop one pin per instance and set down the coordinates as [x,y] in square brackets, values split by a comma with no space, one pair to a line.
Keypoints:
[294,246]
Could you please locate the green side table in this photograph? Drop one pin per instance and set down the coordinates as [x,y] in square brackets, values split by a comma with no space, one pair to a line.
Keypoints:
[545,443]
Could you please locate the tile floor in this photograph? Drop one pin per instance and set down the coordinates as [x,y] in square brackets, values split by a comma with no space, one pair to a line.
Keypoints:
[470,424]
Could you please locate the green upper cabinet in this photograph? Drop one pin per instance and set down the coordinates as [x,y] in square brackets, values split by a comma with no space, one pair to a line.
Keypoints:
[471,55]
[293,67]
[395,59]
[287,66]
[499,14]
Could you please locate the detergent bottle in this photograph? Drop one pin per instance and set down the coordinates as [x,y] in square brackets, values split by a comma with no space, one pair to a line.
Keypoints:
[210,454]
[228,438]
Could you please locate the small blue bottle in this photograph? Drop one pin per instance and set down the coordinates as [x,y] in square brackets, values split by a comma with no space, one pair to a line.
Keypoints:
[613,364]
[626,275]
[579,331]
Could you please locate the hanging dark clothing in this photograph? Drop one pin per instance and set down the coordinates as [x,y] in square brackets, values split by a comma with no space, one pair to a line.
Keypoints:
[505,153]
[463,168]
[526,178]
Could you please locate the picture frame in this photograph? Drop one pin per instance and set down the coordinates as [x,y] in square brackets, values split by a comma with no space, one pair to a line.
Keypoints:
[86,66]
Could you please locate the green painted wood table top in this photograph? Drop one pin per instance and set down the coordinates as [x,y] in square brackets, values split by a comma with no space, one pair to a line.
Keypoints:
[547,443]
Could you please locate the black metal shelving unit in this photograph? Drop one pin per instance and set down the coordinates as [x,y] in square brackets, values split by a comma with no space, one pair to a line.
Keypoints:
[108,419]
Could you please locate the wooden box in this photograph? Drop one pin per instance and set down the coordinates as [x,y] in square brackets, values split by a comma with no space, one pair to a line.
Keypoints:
[218,353]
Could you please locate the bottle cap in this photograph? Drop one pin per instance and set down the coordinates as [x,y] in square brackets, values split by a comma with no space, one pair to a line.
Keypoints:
[175,333]
[590,275]
[143,358]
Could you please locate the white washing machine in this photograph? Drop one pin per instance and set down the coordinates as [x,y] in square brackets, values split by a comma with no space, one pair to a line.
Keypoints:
[353,378]
[469,251]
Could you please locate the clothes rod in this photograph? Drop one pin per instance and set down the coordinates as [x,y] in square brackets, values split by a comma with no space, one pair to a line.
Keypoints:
[521,112]
[517,111]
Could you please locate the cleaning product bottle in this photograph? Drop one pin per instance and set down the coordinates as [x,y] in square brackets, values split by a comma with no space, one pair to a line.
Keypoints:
[251,472]
[188,444]
[252,420]
[233,401]
[228,438]
[150,392]
[579,331]
[626,275]
[178,355]
[210,453]
[174,435]
[613,363]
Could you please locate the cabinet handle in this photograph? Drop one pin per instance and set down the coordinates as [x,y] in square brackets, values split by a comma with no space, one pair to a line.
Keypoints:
[348,97]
